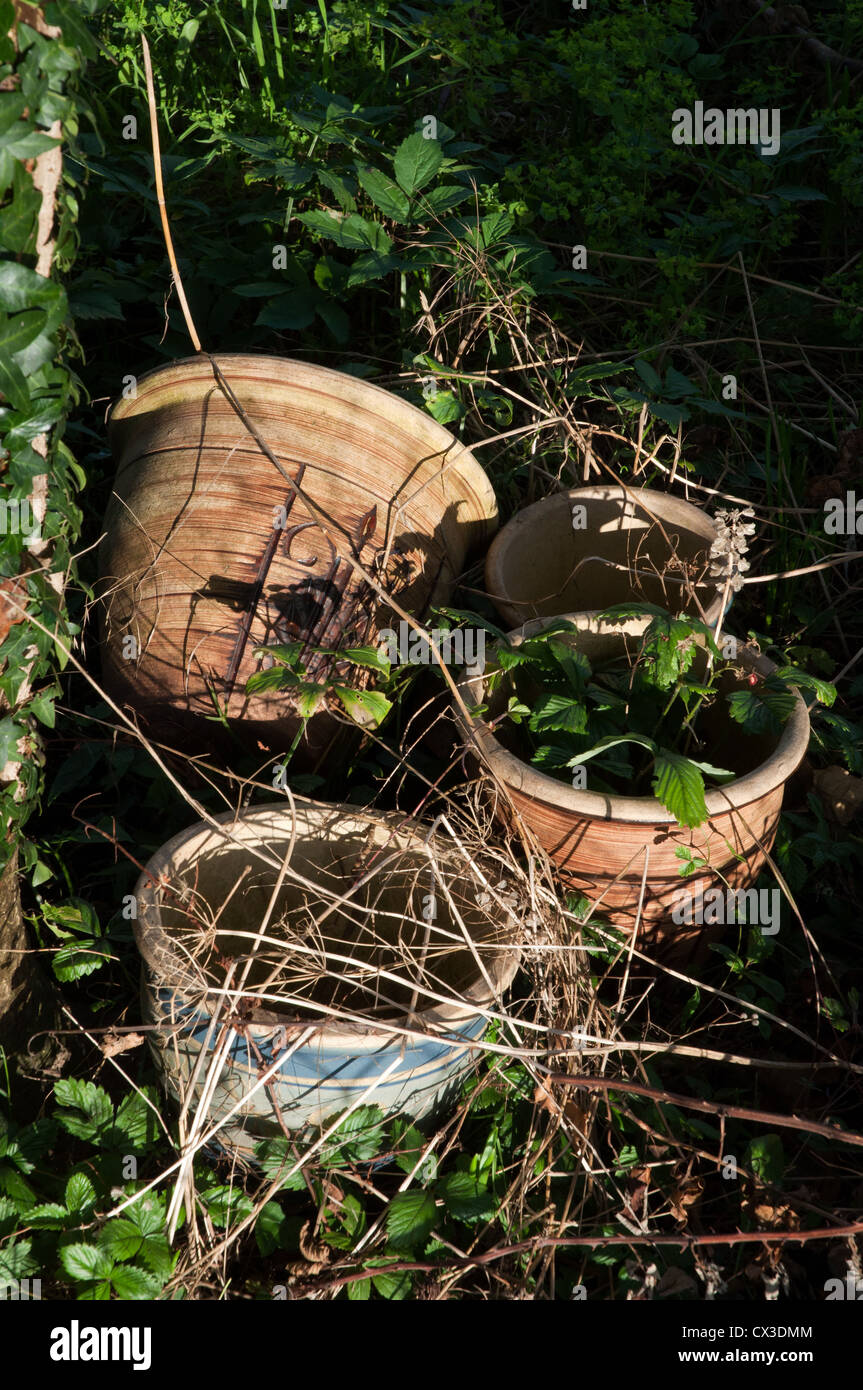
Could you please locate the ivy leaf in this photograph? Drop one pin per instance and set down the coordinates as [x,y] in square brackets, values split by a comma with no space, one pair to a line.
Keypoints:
[410,1218]
[679,785]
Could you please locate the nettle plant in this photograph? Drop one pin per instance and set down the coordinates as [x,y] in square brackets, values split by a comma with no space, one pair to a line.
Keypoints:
[637,719]
[318,678]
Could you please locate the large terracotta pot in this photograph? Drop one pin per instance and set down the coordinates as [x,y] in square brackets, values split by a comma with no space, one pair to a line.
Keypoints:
[601,844]
[208,554]
[539,565]
[408,1019]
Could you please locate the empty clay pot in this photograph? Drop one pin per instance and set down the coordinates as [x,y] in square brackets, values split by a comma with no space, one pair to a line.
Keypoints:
[209,553]
[635,545]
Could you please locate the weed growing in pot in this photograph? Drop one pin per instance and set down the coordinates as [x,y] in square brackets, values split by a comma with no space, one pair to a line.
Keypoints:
[637,717]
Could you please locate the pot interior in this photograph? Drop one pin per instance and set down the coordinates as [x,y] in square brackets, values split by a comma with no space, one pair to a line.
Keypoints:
[375,954]
[620,556]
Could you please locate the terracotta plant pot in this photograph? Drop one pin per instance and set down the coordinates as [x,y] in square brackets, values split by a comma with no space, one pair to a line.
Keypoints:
[539,566]
[410,1013]
[601,844]
[208,552]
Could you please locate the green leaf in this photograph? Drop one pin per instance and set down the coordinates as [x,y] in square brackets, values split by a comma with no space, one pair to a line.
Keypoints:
[308,696]
[410,1217]
[465,1199]
[295,310]
[43,708]
[765,1155]
[72,961]
[353,232]
[121,1239]
[20,330]
[395,1286]
[49,1216]
[13,385]
[649,375]
[385,194]
[416,162]
[790,193]
[134,1284]
[26,144]
[609,742]
[227,1205]
[443,198]
[372,657]
[365,707]
[135,1124]
[80,1193]
[275,678]
[359,1137]
[277,1155]
[82,1261]
[21,288]
[763,710]
[824,692]
[360,1290]
[268,1228]
[16,1261]
[679,785]
[90,1112]
[9,1216]
[558,712]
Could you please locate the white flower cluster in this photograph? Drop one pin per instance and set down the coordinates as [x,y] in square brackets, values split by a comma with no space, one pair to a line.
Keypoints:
[728,561]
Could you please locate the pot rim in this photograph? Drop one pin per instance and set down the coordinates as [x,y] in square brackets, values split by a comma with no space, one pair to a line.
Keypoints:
[275,821]
[640,810]
[461,465]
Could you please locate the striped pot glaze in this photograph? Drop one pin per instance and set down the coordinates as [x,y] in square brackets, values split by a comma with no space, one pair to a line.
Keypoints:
[538,565]
[412,1061]
[209,552]
[621,852]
